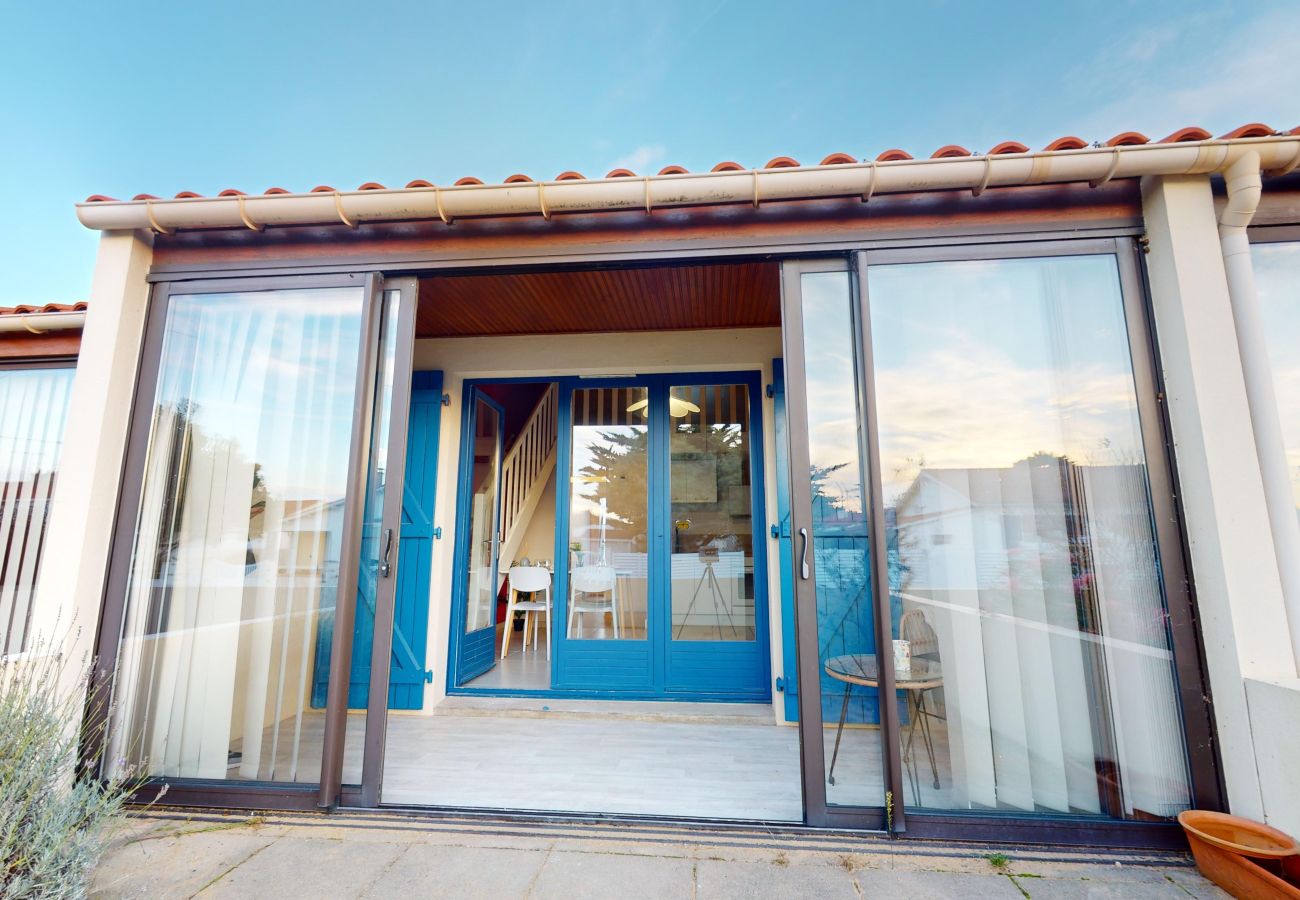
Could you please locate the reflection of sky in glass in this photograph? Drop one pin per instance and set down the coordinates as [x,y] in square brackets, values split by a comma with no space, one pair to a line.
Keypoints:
[831,386]
[1277,275]
[272,373]
[981,364]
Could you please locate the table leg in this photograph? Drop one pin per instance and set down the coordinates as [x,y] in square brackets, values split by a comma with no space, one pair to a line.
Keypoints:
[927,737]
[907,748]
[839,732]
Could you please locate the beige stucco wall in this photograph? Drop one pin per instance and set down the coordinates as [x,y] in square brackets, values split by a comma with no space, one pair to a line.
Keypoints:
[583,354]
[1238,590]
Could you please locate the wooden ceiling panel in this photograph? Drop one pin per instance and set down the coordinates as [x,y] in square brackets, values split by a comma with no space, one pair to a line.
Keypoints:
[663,298]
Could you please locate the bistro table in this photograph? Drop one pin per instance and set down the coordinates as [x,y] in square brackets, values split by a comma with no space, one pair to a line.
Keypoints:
[924,675]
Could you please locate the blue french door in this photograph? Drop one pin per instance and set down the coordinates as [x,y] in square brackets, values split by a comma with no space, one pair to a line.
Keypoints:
[664,590]
[479,540]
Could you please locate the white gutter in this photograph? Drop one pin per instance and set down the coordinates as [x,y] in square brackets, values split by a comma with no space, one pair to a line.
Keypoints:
[1244,188]
[1096,165]
[41,322]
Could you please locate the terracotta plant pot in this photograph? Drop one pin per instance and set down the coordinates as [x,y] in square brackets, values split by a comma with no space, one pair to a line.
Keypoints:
[1245,858]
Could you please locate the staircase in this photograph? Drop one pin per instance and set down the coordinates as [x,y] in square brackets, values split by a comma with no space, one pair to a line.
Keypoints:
[524,473]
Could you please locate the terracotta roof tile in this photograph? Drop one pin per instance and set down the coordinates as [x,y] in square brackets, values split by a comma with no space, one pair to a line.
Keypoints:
[1068,142]
[1191,133]
[950,151]
[1008,147]
[27,309]
[1254,129]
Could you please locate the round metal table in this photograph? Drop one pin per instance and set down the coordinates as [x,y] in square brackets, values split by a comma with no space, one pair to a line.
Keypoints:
[925,675]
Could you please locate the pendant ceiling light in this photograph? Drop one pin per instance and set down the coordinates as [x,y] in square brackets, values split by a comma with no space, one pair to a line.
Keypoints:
[677,408]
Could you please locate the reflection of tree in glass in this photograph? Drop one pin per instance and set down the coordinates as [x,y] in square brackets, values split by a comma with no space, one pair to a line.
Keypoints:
[617,472]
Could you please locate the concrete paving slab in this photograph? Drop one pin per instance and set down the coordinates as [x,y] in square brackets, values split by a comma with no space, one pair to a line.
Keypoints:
[1198,885]
[173,866]
[458,873]
[935,885]
[715,880]
[578,876]
[1086,889]
[287,855]
[310,868]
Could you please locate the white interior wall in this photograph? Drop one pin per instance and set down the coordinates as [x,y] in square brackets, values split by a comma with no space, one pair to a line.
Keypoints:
[621,353]
[539,537]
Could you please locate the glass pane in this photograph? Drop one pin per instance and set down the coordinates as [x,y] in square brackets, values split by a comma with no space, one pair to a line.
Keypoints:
[608,509]
[372,544]
[33,410]
[237,546]
[1022,552]
[846,635]
[1277,276]
[481,591]
[713,525]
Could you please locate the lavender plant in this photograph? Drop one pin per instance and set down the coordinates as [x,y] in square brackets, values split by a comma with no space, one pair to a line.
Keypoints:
[54,819]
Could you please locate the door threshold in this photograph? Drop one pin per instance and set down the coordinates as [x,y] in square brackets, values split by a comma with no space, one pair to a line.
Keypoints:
[704,713]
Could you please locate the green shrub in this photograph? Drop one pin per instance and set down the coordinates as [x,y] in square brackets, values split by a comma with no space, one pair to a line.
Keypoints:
[53,823]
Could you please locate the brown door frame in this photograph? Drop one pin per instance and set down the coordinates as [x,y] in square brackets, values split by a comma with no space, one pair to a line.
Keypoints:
[219,792]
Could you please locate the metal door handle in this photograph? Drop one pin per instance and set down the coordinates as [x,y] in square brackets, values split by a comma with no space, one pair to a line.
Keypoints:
[386,565]
[803,556]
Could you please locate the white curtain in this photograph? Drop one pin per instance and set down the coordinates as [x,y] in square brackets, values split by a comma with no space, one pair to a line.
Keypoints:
[33,411]
[238,535]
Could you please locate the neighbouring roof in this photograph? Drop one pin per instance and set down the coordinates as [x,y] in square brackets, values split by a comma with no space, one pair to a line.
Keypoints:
[1067,143]
[29,309]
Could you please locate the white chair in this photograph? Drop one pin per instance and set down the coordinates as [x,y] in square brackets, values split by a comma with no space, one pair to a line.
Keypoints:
[590,581]
[528,579]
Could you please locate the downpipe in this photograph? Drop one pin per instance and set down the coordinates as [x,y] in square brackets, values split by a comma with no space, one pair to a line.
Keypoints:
[1245,186]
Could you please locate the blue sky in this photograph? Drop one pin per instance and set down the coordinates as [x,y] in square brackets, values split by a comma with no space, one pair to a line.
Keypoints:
[123,98]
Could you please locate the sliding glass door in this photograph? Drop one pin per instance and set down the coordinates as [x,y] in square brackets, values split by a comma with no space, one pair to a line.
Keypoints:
[988,577]
[850,774]
[264,411]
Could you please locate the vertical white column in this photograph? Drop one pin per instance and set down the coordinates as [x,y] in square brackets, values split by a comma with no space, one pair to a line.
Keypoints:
[81,524]
[1239,593]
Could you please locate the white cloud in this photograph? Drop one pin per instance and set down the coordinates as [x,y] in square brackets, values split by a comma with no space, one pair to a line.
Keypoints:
[1162,78]
[642,159]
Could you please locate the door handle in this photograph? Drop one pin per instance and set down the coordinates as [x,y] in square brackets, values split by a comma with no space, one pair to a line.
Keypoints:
[386,565]
[803,556]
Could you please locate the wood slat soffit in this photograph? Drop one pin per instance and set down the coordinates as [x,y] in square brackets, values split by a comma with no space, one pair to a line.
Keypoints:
[664,298]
